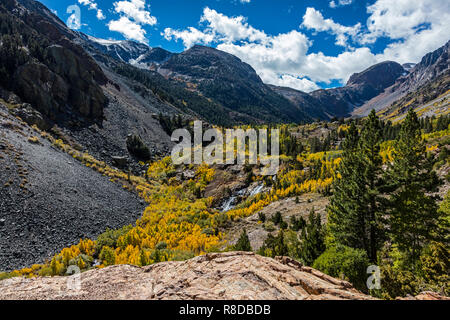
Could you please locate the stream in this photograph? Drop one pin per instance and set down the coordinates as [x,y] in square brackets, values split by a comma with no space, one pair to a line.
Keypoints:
[236,198]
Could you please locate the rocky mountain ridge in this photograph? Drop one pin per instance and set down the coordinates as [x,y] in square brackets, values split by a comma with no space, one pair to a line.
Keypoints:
[340,102]
[231,82]
[432,68]
[134,53]
[235,85]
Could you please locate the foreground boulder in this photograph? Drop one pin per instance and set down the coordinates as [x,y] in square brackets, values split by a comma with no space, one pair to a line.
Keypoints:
[233,275]
[426,295]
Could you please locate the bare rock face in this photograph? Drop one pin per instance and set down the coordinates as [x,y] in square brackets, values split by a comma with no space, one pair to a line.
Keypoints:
[67,80]
[426,295]
[233,275]
[63,81]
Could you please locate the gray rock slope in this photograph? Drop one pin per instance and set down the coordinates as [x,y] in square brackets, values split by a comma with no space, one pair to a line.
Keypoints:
[48,200]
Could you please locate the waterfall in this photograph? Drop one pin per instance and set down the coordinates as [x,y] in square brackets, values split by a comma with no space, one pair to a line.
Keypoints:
[229,204]
[257,190]
[233,200]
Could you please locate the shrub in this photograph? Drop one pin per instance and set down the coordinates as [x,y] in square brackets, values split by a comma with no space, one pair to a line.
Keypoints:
[277,218]
[221,220]
[34,140]
[345,263]
[397,283]
[297,224]
[109,238]
[137,148]
[182,255]
[269,226]
[261,217]
[5,275]
[45,272]
[435,264]
[108,256]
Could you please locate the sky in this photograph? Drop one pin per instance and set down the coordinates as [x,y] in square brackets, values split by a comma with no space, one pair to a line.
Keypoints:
[303,44]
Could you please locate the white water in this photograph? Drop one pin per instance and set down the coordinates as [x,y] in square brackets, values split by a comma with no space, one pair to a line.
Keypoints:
[257,190]
[230,203]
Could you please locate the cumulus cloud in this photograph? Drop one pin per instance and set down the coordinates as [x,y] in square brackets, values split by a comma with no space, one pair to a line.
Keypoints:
[92,5]
[314,20]
[217,28]
[135,14]
[417,27]
[136,10]
[284,59]
[190,36]
[128,28]
[292,81]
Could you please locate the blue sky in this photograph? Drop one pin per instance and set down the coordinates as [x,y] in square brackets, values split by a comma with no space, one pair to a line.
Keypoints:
[306,45]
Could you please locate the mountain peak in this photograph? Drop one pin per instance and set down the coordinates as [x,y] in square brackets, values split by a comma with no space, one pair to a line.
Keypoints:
[210,52]
[382,74]
[432,66]
[123,50]
[440,54]
[209,62]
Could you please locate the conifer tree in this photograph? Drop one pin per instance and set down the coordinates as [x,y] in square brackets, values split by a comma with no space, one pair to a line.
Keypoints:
[312,239]
[243,243]
[274,246]
[356,207]
[344,223]
[373,182]
[414,214]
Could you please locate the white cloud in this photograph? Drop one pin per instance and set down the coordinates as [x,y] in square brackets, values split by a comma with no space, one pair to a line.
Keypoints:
[136,10]
[245,1]
[314,20]
[218,28]
[231,29]
[276,58]
[134,15]
[189,37]
[340,3]
[417,26]
[100,15]
[285,60]
[292,81]
[128,29]
[92,5]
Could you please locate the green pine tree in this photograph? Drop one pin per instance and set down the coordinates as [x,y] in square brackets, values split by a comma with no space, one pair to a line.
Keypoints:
[414,215]
[274,246]
[312,243]
[356,207]
[243,243]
